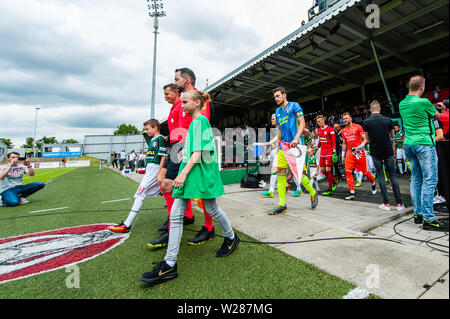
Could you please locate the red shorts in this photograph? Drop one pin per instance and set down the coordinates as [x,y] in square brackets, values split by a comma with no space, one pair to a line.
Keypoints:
[352,163]
[326,161]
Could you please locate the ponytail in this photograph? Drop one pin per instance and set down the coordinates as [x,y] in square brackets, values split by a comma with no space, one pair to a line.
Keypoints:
[202,96]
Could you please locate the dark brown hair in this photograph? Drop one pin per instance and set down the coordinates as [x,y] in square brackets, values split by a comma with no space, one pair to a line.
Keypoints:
[280,89]
[153,123]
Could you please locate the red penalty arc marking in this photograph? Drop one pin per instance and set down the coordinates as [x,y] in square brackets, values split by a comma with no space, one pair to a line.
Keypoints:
[28,255]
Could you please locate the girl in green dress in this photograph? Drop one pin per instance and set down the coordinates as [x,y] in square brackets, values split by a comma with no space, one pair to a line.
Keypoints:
[198,177]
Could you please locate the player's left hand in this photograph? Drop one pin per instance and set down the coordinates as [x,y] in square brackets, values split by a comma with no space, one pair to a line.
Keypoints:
[294,144]
[179,181]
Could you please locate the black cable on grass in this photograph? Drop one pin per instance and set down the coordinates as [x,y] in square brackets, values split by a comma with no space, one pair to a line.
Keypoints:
[308,240]
[427,242]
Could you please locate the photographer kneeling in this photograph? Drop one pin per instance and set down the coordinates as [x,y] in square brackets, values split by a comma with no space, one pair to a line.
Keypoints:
[12,192]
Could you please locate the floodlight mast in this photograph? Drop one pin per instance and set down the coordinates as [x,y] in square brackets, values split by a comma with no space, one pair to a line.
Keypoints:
[155,11]
[35,126]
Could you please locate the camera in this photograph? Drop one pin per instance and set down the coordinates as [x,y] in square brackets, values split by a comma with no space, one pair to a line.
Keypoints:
[22,158]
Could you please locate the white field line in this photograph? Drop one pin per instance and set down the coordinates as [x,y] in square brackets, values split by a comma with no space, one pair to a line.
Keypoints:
[47,210]
[116,200]
[357,293]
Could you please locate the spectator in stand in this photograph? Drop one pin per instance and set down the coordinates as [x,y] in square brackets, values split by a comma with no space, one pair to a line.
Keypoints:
[443,117]
[417,115]
[380,133]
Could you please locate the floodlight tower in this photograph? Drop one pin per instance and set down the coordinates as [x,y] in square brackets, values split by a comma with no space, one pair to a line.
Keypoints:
[35,126]
[155,8]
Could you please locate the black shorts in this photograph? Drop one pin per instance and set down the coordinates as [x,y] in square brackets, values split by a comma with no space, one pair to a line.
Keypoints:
[172,166]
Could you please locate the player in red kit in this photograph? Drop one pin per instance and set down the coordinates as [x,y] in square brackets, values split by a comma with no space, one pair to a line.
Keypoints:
[327,145]
[353,142]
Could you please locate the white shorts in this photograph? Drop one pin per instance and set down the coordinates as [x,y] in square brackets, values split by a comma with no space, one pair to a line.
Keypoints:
[274,158]
[149,185]
[312,173]
[401,154]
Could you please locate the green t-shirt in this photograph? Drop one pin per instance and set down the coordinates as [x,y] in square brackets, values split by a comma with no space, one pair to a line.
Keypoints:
[311,161]
[156,149]
[417,115]
[399,139]
[203,180]
[307,140]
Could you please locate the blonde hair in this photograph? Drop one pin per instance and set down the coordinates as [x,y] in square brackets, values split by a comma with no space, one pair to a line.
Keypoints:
[202,96]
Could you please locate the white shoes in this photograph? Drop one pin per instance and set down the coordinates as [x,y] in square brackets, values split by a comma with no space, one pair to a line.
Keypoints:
[23,200]
[387,207]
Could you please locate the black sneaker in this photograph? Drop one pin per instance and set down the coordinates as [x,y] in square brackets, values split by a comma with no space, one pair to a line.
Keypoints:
[278,210]
[418,219]
[160,242]
[435,225]
[351,197]
[188,221]
[374,189]
[314,201]
[202,236]
[161,273]
[228,246]
[165,226]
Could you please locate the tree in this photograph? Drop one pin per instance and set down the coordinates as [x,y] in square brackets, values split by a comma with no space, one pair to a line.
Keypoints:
[46,140]
[29,143]
[125,129]
[7,141]
[70,141]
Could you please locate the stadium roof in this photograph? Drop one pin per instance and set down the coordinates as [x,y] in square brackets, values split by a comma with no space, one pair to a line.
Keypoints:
[333,53]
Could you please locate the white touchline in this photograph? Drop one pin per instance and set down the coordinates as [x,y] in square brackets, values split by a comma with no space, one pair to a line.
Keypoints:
[47,210]
[357,293]
[117,200]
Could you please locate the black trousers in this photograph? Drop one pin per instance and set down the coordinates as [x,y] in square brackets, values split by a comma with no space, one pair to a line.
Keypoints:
[442,149]
[389,164]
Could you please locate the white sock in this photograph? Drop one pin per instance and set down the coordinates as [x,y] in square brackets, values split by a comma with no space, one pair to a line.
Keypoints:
[273,182]
[359,176]
[134,211]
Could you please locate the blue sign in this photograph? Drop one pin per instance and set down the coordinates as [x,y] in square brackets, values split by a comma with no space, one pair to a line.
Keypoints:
[60,154]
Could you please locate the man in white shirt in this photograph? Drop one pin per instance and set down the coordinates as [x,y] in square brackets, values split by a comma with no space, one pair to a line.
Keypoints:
[12,191]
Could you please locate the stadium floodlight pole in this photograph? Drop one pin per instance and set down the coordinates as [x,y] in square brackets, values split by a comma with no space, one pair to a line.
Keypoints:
[155,11]
[35,126]
[388,95]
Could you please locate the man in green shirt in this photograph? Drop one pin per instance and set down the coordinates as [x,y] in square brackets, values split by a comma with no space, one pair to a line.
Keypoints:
[417,115]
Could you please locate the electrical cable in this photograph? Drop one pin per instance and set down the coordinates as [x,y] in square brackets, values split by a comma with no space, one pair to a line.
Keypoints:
[308,240]
[428,241]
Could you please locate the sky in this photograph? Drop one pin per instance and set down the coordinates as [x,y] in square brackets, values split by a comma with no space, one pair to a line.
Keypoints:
[87,65]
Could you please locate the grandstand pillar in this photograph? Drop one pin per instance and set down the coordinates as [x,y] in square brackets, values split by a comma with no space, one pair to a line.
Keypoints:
[388,95]
[323,103]
[363,93]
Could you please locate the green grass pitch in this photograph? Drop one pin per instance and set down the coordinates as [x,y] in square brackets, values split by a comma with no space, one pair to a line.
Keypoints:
[253,271]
